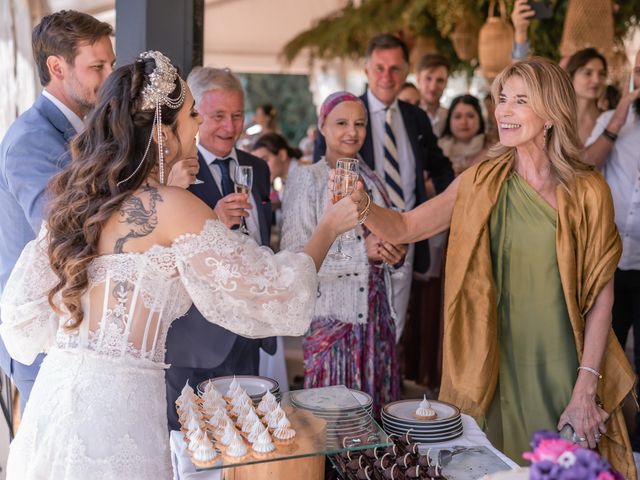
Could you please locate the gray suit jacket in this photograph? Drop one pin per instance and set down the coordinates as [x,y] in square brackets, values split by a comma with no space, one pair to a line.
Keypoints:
[33,150]
[194,342]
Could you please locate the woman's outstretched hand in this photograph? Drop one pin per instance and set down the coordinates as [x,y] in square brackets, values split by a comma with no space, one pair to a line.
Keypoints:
[340,217]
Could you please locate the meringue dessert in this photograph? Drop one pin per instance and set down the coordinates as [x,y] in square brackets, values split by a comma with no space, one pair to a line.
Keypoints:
[249,420]
[236,448]
[186,394]
[425,411]
[229,434]
[274,417]
[263,443]
[233,387]
[255,432]
[267,403]
[195,438]
[204,454]
[283,431]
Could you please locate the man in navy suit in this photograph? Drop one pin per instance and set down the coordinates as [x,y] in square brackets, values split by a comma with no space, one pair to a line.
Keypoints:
[73,54]
[196,349]
[416,147]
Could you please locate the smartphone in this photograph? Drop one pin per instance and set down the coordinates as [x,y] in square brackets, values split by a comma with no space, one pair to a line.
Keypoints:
[542,9]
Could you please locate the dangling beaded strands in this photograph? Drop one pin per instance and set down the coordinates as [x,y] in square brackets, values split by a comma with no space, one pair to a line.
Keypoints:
[154,95]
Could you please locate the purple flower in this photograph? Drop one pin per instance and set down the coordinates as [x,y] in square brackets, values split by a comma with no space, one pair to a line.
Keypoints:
[542,435]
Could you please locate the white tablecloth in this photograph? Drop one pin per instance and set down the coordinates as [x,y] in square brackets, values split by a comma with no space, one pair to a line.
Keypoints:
[183,469]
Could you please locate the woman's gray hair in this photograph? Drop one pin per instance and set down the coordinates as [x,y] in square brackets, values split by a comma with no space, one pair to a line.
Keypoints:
[204,79]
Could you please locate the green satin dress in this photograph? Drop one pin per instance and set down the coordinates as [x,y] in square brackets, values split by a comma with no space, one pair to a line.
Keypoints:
[538,359]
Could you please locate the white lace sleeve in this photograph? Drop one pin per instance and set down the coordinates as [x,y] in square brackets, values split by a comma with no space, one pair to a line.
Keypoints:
[29,324]
[246,288]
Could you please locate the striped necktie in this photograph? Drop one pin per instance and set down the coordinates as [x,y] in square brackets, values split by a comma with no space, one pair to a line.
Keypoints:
[391,167]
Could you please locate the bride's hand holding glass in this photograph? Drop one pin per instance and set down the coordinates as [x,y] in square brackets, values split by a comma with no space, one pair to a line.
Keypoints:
[183,173]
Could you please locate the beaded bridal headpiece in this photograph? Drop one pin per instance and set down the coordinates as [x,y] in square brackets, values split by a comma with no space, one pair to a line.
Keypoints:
[155,95]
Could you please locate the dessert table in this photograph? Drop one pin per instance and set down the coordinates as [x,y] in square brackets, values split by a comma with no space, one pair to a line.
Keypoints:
[316,439]
[318,435]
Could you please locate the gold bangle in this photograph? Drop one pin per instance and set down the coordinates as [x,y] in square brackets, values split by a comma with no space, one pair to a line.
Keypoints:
[592,371]
[367,210]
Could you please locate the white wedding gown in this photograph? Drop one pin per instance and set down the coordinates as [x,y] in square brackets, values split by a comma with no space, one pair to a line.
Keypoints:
[98,409]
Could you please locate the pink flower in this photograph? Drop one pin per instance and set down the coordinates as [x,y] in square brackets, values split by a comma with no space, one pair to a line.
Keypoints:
[550,449]
[605,476]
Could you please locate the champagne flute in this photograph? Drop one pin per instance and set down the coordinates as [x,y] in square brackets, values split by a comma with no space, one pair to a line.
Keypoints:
[344,184]
[243,183]
[197,181]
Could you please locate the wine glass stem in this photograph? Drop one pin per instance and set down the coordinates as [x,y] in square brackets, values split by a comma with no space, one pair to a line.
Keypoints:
[339,248]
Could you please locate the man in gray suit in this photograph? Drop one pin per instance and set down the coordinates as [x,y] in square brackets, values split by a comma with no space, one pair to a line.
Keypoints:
[73,54]
[197,349]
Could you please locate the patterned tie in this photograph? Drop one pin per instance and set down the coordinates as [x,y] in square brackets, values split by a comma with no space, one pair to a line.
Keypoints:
[226,182]
[391,167]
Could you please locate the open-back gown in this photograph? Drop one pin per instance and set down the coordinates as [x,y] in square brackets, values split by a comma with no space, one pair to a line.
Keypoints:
[98,408]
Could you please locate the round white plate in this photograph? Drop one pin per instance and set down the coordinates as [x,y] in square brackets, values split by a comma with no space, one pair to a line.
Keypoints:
[255,386]
[427,438]
[406,410]
[440,432]
[363,397]
[323,400]
[421,425]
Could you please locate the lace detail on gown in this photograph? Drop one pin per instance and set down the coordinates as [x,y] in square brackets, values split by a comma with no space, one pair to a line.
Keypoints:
[97,409]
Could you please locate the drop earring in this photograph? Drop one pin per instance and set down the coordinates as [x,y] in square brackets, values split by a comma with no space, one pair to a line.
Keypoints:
[545,135]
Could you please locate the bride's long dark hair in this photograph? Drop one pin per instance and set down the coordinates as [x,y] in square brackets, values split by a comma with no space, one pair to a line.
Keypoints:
[86,194]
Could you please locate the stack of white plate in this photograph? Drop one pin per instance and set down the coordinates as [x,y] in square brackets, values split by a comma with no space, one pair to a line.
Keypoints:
[343,417]
[254,385]
[400,417]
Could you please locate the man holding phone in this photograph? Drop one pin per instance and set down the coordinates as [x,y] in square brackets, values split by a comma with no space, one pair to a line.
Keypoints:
[613,146]
[523,12]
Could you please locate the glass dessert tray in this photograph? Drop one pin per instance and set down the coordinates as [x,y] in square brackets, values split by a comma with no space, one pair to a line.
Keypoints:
[316,432]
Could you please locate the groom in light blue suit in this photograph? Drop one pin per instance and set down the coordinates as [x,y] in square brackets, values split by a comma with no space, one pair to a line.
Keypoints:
[73,54]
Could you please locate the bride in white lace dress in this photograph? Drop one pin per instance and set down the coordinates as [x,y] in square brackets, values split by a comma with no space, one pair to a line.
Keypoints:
[122,256]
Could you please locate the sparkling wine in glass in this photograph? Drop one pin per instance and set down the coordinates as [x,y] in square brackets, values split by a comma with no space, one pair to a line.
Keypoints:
[243,183]
[344,183]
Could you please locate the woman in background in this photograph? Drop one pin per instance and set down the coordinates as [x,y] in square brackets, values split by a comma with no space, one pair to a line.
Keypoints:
[352,337]
[463,139]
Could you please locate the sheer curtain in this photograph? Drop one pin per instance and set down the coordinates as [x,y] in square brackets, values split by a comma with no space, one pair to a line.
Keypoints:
[19,86]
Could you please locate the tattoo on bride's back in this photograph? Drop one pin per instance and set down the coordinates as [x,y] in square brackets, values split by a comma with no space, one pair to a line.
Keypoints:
[142,220]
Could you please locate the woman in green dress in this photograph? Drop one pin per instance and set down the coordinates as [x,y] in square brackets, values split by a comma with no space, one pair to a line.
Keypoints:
[528,294]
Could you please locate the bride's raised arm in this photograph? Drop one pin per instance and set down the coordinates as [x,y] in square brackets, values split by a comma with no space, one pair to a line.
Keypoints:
[242,286]
[424,221]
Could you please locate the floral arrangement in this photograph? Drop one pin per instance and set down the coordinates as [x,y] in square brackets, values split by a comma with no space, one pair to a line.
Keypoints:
[554,458]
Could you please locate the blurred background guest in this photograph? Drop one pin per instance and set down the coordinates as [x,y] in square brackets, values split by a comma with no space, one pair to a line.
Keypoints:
[267,118]
[352,338]
[432,73]
[463,139]
[610,99]
[307,142]
[282,160]
[588,71]
[410,94]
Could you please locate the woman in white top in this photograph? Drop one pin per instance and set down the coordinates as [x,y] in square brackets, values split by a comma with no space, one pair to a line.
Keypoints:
[120,257]
[352,336]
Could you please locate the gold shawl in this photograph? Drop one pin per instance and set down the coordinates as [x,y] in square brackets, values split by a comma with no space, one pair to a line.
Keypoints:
[588,249]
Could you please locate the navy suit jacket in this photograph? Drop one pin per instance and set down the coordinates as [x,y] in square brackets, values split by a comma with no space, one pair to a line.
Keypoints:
[34,149]
[192,341]
[426,152]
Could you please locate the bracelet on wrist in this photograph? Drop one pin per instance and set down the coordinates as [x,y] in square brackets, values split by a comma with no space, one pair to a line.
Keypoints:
[362,217]
[592,371]
[610,135]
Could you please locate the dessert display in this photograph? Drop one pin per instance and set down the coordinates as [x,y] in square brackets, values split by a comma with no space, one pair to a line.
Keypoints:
[229,424]
[425,411]
[399,461]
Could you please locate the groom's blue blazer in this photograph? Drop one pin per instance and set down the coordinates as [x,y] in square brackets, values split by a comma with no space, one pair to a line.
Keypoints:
[33,150]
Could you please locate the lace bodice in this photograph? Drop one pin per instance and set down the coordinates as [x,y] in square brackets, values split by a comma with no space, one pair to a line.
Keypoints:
[133,297]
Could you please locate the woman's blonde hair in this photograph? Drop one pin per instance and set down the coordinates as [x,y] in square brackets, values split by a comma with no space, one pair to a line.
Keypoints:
[551,97]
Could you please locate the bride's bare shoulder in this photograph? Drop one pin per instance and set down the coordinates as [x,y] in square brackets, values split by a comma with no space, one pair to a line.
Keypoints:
[181,212]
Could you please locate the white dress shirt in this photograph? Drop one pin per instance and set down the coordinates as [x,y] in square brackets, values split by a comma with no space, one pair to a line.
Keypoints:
[253,224]
[438,121]
[75,121]
[622,171]
[406,160]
